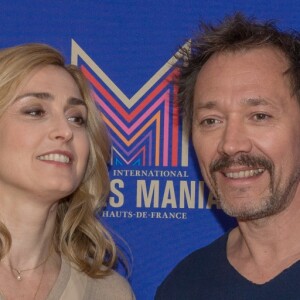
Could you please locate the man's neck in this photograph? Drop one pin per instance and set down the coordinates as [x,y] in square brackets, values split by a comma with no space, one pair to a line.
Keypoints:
[261,249]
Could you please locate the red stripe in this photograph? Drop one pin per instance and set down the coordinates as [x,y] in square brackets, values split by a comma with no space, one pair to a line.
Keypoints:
[127,116]
[175,127]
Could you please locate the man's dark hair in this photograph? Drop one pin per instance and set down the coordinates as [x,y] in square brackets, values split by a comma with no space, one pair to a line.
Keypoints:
[234,33]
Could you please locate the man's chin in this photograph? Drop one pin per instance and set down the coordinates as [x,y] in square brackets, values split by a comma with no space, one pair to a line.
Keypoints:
[243,211]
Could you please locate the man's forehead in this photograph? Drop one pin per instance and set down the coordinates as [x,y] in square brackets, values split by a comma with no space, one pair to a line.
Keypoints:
[245,64]
[243,54]
[245,76]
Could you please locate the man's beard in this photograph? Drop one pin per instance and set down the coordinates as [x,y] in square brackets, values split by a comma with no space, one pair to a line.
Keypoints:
[280,194]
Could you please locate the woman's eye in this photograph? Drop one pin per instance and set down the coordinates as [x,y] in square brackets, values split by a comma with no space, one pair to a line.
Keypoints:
[78,120]
[35,112]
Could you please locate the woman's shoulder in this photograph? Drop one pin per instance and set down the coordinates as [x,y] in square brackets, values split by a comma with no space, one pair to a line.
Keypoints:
[73,284]
[113,286]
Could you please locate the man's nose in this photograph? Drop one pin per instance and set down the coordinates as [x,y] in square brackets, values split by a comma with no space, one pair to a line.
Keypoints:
[235,139]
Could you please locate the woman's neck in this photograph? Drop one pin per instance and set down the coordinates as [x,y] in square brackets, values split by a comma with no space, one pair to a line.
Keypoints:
[31,229]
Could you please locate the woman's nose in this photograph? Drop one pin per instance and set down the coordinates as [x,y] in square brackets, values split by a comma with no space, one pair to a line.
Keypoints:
[60,129]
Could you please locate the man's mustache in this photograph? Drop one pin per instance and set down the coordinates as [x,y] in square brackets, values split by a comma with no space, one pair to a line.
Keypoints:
[247,160]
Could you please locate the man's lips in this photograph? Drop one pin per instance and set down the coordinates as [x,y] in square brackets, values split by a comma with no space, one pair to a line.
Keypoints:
[243,173]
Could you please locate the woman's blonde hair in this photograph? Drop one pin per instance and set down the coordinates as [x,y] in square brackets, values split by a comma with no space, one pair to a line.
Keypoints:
[78,235]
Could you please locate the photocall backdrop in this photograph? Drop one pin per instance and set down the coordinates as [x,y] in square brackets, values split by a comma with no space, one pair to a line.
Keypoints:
[159,203]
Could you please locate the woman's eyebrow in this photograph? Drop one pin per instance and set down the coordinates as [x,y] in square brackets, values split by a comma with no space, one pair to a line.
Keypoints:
[48,96]
[76,101]
[42,96]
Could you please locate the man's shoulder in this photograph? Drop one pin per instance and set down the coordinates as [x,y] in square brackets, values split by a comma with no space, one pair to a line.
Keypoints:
[202,257]
[199,266]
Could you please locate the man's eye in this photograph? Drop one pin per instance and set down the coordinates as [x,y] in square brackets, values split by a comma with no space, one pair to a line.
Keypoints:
[209,122]
[261,117]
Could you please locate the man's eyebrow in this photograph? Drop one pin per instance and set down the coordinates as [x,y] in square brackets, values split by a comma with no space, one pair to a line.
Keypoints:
[255,101]
[207,105]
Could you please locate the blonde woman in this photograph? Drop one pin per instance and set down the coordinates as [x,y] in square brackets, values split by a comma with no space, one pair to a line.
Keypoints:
[53,180]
